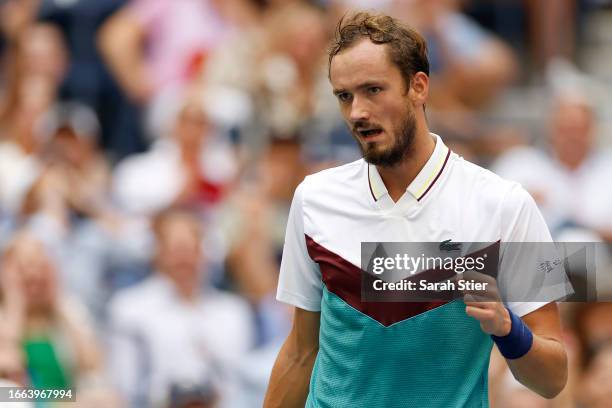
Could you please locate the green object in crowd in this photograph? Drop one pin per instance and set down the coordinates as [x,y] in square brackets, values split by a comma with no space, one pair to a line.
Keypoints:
[44,368]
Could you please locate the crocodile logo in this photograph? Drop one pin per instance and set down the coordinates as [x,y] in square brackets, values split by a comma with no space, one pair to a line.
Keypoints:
[447,245]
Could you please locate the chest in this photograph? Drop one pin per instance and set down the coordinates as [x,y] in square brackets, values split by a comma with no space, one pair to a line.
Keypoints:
[342,230]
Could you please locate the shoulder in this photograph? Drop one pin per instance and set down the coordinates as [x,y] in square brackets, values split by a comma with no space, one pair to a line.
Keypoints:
[488,193]
[521,154]
[6,149]
[142,299]
[230,314]
[504,204]
[333,180]
[602,162]
[338,174]
[482,183]
[162,152]
[519,161]
[227,303]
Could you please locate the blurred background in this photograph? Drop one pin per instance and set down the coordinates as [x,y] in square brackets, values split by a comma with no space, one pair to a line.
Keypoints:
[149,150]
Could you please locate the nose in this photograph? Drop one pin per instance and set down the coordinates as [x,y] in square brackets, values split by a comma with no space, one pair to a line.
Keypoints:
[359,110]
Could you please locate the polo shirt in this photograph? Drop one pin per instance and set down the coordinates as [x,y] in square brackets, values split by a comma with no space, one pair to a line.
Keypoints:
[157,340]
[379,354]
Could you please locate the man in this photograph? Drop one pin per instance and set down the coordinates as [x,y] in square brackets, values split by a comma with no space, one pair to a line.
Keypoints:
[572,168]
[190,164]
[343,352]
[170,336]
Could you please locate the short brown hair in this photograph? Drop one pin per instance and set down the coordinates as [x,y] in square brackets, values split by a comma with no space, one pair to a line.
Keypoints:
[160,219]
[407,49]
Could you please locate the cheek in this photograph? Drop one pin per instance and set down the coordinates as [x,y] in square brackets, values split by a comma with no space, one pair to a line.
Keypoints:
[395,108]
[345,111]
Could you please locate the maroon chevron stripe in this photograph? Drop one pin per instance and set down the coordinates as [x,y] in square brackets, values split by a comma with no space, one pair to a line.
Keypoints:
[370,185]
[344,280]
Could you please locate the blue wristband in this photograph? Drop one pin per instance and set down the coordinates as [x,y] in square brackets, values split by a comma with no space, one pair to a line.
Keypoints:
[516,343]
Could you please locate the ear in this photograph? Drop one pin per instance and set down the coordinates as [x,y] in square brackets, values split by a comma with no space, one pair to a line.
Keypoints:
[419,89]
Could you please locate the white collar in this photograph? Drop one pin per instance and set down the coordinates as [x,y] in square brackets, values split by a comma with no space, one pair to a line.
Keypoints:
[424,180]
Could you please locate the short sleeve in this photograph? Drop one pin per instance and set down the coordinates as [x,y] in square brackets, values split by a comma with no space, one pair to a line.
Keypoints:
[300,282]
[531,271]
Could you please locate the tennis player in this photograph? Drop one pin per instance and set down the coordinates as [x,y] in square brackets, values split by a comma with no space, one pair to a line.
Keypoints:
[409,187]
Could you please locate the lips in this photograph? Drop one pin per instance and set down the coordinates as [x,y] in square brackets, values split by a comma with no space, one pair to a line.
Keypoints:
[369,133]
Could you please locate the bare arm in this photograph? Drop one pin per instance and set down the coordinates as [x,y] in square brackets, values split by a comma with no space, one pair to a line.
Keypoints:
[81,333]
[544,368]
[290,377]
[121,43]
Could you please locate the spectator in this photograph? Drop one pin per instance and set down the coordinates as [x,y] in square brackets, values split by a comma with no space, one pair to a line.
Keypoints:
[286,88]
[252,223]
[191,164]
[52,330]
[572,169]
[40,50]
[71,131]
[19,152]
[470,69]
[38,68]
[36,52]
[15,16]
[591,330]
[553,29]
[150,45]
[87,80]
[69,206]
[596,385]
[254,219]
[471,65]
[173,328]
[12,371]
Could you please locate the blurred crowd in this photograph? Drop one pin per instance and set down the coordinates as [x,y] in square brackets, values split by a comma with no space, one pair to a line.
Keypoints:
[149,150]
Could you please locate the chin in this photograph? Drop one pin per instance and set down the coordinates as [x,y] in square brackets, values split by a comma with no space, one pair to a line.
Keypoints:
[374,154]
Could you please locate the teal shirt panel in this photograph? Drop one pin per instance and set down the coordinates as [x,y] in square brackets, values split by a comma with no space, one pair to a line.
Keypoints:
[439,358]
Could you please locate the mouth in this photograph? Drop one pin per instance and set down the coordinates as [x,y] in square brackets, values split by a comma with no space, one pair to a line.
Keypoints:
[369,134]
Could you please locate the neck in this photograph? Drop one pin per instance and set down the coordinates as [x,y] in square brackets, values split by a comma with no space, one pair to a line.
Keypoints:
[572,163]
[190,152]
[187,294]
[187,289]
[398,178]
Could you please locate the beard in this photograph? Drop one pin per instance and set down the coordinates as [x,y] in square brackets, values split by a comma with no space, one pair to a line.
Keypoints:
[403,143]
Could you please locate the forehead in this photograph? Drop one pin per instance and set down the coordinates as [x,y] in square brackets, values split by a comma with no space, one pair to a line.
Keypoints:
[569,111]
[178,224]
[363,62]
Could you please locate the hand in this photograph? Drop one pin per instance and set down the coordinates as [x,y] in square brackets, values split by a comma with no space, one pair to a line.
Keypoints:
[48,195]
[493,317]
[486,305]
[29,279]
